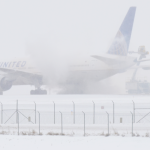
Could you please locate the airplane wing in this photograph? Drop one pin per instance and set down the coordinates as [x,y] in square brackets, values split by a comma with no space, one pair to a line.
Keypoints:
[19,77]
[144,67]
[108,61]
[143,60]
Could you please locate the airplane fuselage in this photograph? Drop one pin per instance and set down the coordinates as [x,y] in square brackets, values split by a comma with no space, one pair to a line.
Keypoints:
[87,68]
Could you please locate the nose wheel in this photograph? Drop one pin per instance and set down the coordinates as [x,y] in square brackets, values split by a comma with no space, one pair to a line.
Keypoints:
[38,92]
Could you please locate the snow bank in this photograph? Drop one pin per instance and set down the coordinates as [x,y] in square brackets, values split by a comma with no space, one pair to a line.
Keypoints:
[73,143]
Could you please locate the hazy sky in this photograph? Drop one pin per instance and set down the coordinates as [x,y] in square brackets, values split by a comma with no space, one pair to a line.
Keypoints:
[84,25]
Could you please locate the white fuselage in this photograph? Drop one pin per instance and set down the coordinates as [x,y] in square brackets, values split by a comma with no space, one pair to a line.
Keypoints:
[87,68]
[95,69]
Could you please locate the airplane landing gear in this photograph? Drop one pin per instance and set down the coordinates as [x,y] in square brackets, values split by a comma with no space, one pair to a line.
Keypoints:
[38,92]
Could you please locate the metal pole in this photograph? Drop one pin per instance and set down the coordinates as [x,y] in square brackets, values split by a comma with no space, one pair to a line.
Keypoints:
[113,112]
[133,111]
[54,112]
[17,112]
[84,122]
[108,122]
[132,122]
[35,111]
[1,113]
[93,112]
[61,123]
[39,123]
[73,112]
[18,122]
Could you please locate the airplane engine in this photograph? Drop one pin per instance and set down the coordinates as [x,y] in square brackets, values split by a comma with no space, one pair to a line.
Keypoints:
[5,84]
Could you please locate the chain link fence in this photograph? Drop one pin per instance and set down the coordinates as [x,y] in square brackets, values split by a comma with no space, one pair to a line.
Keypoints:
[96,118]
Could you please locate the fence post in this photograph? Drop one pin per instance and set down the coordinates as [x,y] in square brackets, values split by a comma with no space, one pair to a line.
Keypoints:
[61,123]
[18,122]
[108,122]
[84,122]
[35,111]
[133,111]
[73,112]
[113,112]
[1,113]
[54,112]
[39,122]
[17,112]
[93,112]
[132,122]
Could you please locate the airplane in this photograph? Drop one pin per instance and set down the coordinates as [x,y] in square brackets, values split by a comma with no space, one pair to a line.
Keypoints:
[95,67]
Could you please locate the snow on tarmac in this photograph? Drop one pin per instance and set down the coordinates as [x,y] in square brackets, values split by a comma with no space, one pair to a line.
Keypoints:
[73,143]
[65,105]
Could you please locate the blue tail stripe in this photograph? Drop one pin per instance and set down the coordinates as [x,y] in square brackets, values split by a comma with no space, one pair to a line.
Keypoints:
[121,42]
[126,27]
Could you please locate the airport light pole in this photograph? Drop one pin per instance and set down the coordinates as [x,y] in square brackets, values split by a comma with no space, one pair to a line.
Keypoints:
[39,122]
[73,112]
[132,122]
[108,121]
[133,111]
[93,112]
[61,123]
[84,122]
[35,111]
[1,113]
[54,112]
[18,122]
[113,112]
[17,112]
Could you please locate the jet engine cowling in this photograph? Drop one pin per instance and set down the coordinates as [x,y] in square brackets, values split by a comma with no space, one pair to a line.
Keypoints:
[5,84]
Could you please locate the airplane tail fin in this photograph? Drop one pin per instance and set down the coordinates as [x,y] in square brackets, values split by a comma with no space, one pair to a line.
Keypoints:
[121,42]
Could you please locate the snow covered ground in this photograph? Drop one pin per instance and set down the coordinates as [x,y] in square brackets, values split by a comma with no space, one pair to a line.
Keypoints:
[73,143]
[72,107]
[96,134]
[142,130]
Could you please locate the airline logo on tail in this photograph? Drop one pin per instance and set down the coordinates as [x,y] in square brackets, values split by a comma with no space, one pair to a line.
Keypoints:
[121,42]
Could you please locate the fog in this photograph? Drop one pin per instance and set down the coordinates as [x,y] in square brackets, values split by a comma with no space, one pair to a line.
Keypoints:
[69,43]
[53,60]
[56,33]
